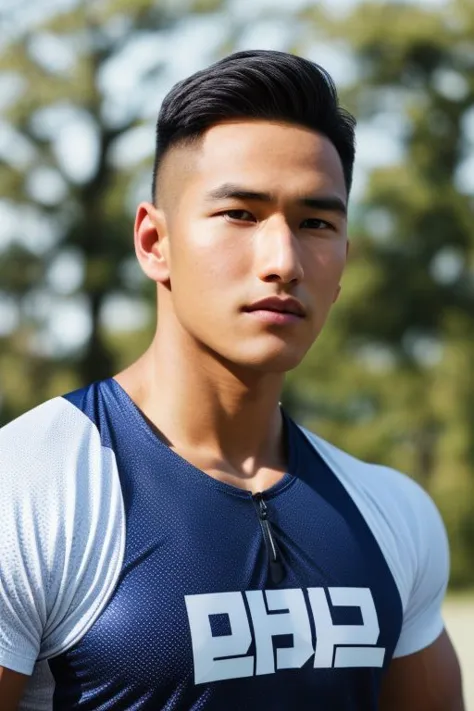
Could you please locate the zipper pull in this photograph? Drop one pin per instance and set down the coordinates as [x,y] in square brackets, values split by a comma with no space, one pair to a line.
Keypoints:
[277,572]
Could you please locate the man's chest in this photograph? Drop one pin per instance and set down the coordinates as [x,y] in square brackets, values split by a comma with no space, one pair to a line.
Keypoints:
[195,611]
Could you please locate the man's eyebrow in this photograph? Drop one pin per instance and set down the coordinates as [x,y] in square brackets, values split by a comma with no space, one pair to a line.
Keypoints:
[327,203]
[231,190]
[228,191]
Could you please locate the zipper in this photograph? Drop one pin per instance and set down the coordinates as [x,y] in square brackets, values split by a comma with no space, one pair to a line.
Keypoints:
[277,572]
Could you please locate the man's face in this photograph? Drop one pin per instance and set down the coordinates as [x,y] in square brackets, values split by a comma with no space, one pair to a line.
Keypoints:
[260,213]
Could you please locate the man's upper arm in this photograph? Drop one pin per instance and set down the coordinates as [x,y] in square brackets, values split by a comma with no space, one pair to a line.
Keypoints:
[11,688]
[429,680]
[62,536]
[22,571]
[424,674]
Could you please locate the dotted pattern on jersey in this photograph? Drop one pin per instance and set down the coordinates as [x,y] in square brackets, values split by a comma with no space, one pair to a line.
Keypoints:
[188,534]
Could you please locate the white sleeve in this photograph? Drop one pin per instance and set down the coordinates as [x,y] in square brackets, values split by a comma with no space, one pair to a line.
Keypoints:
[422,618]
[61,532]
[411,535]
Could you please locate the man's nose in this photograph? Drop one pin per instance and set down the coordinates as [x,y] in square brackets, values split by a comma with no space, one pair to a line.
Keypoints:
[278,253]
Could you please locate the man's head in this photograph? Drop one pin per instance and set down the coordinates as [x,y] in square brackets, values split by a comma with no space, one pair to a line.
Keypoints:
[261,85]
[252,174]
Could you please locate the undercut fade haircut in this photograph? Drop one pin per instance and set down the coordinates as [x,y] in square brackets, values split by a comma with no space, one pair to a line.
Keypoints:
[259,84]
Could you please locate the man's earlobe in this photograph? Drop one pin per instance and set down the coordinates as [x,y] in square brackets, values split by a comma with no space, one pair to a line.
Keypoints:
[151,242]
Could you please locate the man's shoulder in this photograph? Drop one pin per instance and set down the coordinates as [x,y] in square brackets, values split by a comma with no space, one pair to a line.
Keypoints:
[52,424]
[405,523]
[383,486]
[44,448]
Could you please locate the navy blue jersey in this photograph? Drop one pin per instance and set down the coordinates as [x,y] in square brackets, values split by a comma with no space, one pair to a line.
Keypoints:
[191,536]
[156,586]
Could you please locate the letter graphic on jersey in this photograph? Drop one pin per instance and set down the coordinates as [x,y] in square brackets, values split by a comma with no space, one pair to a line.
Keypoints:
[329,635]
[219,657]
[291,619]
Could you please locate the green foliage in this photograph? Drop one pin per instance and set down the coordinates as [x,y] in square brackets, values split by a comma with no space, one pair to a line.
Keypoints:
[391,378]
[59,68]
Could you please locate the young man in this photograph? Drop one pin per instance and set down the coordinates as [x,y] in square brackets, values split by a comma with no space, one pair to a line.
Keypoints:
[170,538]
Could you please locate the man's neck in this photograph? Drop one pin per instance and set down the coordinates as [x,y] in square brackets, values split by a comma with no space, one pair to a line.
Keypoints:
[224,422]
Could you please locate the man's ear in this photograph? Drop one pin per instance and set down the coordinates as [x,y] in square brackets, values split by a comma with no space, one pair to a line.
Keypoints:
[152,242]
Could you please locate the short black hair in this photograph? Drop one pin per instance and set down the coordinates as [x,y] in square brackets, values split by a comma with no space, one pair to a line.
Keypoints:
[257,84]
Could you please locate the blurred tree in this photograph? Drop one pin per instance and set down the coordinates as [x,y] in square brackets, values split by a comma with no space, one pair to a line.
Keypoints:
[73,109]
[392,377]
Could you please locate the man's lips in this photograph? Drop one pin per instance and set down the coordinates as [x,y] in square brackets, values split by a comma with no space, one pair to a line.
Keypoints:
[277,304]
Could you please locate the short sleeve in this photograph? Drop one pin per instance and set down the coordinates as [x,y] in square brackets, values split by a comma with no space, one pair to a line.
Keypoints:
[411,535]
[422,619]
[61,532]
[23,561]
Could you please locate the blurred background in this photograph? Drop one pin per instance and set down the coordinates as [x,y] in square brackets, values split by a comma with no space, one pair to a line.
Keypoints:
[392,378]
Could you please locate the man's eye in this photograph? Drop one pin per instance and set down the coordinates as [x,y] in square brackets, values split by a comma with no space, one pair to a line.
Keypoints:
[314,223]
[239,215]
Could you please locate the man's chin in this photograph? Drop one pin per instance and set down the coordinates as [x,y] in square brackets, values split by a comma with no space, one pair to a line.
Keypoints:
[270,361]
[267,357]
